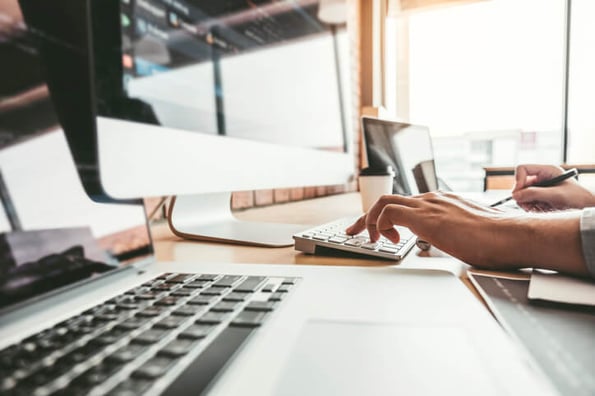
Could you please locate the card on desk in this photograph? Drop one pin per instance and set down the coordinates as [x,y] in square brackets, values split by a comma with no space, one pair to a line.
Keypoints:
[562,289]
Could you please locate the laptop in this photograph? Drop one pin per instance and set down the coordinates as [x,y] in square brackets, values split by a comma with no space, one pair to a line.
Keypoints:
[86,309]
[407,148]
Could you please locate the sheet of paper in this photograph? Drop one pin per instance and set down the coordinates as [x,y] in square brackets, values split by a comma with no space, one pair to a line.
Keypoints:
[560,288]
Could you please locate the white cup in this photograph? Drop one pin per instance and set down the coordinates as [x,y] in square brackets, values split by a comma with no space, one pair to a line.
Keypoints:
[374,183]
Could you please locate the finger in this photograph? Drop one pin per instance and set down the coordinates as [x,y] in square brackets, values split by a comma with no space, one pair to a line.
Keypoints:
[378,207]
[520,177]
[528,174]
[357,227]
[391,234]
[390,216]
[534,194]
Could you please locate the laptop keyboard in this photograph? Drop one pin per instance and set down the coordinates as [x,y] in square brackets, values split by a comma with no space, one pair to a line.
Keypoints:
[332,236]
[171,332]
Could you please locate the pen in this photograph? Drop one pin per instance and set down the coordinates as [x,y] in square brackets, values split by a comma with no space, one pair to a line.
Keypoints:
[544,183]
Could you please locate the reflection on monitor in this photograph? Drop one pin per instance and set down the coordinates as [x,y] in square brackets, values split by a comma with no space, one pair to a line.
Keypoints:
[208,97]
[405,147]
[52,235]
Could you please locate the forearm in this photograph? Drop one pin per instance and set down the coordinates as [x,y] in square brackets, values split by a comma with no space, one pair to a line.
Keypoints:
[549,241]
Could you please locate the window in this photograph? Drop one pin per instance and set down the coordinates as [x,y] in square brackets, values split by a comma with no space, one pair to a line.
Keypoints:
[581,89]
[487,78]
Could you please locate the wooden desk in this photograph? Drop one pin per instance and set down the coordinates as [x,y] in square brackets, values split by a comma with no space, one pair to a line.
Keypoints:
[309,212]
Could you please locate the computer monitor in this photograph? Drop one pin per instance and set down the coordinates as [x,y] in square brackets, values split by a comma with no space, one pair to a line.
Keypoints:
[52,235]
[201,98]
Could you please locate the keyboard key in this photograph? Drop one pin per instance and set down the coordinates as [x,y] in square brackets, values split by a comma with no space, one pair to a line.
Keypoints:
[212,318]
[355,242]
[150,336]
[80,354]
[171,322]
[283,288]
[212,291]
[371,245]
[249,319]
[224,306]
[96,375]
[131,387]
[250,285]
[165,287]
[197,284]
[109,337]
[205,367]
[168,301]
[151,312]
[207,277]
[183,292]
[227,281]
[338,239]
[127,306]
[180,278]
[276,296]
[321,237]
[127,353]
[388,249]
[202,300]
[196,332]
[154,367]
[235,297]
[261,306]
[188,310]
[107,317]
[149,295]
[178,347]
[132,323]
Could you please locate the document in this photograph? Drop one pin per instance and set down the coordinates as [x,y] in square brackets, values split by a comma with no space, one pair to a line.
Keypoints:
[560,288]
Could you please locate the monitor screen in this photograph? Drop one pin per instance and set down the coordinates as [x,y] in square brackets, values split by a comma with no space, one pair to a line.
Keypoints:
[227,95]
[407,149]
[52,235]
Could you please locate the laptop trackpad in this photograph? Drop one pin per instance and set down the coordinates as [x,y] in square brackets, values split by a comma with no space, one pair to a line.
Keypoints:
[348,358]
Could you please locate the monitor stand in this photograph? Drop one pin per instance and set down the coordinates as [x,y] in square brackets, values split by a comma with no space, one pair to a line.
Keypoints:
[208,217]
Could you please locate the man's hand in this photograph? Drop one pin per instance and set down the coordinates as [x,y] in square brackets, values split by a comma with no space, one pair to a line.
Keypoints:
[481,236]
[566,195]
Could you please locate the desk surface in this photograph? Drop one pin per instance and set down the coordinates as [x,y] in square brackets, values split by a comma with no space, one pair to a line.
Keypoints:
[309,212]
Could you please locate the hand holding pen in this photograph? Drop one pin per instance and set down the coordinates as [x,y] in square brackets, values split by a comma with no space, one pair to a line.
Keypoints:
[529,191]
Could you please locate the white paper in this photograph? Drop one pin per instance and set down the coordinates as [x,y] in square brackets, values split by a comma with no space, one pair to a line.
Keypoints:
[560,288]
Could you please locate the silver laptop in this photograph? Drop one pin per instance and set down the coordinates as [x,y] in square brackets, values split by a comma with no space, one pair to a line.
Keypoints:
[86,309]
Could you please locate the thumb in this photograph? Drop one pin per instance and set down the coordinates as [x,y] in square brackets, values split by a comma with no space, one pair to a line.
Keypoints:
[533,194]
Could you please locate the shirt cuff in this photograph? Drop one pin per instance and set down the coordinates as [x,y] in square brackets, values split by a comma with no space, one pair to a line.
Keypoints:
[588,238]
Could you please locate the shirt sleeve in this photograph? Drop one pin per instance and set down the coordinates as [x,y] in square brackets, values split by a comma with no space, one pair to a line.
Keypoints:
[588,238]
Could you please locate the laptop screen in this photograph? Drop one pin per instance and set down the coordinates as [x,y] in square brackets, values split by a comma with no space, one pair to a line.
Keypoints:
[52,235]
[407,149]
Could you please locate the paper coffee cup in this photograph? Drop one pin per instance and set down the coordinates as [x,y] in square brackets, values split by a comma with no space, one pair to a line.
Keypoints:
[374,183]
